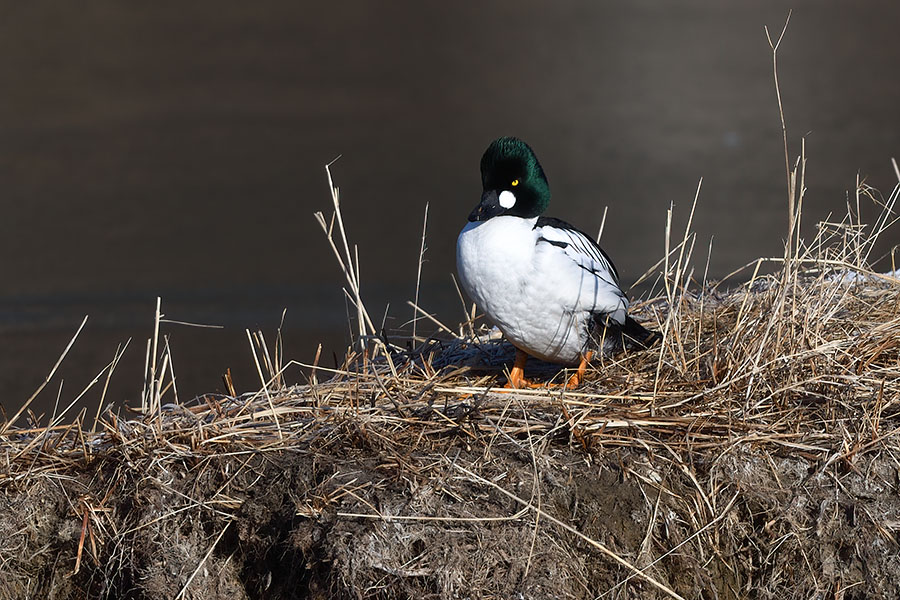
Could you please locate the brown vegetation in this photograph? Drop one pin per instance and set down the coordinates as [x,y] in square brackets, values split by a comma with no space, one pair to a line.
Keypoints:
[754,452]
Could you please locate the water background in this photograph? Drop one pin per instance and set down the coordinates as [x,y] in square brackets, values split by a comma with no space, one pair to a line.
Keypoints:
[178,150]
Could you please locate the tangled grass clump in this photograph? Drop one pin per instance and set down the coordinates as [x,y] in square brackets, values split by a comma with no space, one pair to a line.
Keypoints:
[753,452]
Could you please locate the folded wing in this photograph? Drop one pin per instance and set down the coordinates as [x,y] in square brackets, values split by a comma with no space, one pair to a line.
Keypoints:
[585,272]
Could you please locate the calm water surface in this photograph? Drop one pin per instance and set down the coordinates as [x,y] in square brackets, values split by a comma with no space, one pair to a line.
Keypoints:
[177,150]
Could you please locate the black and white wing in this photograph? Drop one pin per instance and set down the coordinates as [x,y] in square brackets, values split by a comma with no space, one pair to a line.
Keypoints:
[583,251]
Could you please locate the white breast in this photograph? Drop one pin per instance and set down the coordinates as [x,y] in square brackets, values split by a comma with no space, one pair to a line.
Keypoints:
[524,288]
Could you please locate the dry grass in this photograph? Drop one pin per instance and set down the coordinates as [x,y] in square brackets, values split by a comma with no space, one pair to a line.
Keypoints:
[753,452]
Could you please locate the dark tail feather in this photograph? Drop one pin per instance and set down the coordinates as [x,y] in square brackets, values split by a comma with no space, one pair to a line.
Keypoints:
[637,336]
[631,335]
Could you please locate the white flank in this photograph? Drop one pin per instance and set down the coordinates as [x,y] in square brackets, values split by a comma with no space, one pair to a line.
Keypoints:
[540,296]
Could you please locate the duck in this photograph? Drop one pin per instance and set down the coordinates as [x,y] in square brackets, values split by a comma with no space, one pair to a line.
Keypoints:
[548,286]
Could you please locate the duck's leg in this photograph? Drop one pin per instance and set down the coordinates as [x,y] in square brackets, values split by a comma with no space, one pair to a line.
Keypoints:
[578,376]
[517,374]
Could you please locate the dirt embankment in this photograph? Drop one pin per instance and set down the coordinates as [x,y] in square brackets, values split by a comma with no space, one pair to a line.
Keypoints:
[753,453]
[353,515]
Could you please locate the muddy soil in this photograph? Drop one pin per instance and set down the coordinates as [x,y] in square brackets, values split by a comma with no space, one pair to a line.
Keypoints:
[355,515]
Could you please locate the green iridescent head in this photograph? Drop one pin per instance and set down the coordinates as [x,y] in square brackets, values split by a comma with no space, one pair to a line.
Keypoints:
[513,181]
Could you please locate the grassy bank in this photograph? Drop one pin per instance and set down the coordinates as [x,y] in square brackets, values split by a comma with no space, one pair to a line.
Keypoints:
[754,452]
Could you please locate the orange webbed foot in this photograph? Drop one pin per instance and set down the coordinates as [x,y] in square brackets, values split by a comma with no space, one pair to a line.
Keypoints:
[517,379]
[517,374]
[578,376]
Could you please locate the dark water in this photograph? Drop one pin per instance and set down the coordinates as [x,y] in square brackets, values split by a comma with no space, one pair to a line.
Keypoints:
[177,149]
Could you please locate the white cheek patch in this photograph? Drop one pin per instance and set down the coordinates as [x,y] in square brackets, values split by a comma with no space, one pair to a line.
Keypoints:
[507,199]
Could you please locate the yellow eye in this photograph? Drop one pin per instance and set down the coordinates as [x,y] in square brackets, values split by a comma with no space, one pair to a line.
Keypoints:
[515,182]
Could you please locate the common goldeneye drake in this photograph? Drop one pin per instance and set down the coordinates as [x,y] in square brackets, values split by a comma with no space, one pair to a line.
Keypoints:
[552,291]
